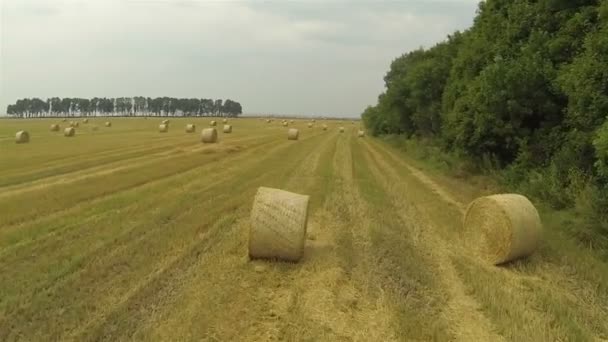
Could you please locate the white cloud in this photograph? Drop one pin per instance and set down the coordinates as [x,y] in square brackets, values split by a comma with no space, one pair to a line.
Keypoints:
[284,57]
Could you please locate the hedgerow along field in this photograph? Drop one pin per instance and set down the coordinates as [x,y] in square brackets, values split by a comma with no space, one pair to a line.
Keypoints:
[125,233]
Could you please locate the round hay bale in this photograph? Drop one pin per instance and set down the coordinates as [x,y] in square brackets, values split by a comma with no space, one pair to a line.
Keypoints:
[361,134]
[209,136]
[163,128]
[309,125]
[278,225]
[212,123]
[22,137]
[55,128]
[293,134]
[502,228]
[69,132]
[268,121]
[227,128]
[291,121]
[341,129]
[325,127]
[165,122]
[224,120]
[85,121]
[108,124]
[64,120]
[190,128]
[285,124]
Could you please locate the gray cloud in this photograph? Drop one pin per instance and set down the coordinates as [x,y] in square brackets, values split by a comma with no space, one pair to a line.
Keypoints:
[300,57]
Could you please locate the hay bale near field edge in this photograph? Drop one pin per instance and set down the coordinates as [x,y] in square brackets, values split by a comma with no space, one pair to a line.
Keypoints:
[209,136]
[502,228]
[69,132]
[361,134]
[293,134]
[22,137]
[278,225]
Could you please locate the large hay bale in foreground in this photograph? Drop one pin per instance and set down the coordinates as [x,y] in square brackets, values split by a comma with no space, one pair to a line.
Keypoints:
[22,137]
[55,128]
[212,123]
[278,225]
[293,134]
[361,134]
[69,132]
[341,129]
[108,124]
[163,128]
[227,128]
[190,128]
[209,136]
[501,228]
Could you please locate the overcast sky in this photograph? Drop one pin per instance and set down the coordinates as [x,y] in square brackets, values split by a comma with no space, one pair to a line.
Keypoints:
[282,57]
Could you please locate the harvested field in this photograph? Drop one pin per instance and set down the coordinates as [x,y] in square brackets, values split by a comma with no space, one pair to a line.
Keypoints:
[128,234]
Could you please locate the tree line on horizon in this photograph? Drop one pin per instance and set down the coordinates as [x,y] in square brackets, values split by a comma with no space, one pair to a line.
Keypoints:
[524,90]
[123,106]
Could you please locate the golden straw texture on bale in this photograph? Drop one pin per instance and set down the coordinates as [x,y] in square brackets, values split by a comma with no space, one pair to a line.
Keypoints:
[227,128]
[502,228]
[108,124]
[190,128]
[285,124]
[54,128]
[278,225]
[209,135]
[163,128]
[22,137]
[292,134]
[361,134]
[69,132]
[341,129]
[212,123]
[325,127]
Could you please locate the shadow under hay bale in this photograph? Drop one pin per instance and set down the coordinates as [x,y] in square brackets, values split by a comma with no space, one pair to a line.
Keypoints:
[278,225]
[22,137]
[502,228]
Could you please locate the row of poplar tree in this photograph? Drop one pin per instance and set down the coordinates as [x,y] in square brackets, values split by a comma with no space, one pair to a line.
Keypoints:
[123,106]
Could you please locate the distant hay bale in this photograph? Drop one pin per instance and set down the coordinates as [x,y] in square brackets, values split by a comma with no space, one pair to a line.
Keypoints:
[225,121]
[361,134]
[163,128]
[69,132]
[291,121]
[293,134]
[190,128]
[268,121]
[22,137]
[501,228]
[74,124]
[278,225]
[212,123]
[85,121]
[55,128]
[165,122]
[209,136]
[64,120]
[285,124]
[227,128]
[309,125]
[341,129]
[108,124]
[325,127]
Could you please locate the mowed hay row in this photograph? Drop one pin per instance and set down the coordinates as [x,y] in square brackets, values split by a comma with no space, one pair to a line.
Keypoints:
[108,124]
[209,136]
[278,225]
[227,128]
[190,128]
[212,123]
[293,134]
[69,132]
[163,128]
[22,137]
[502,228]
[55,128]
